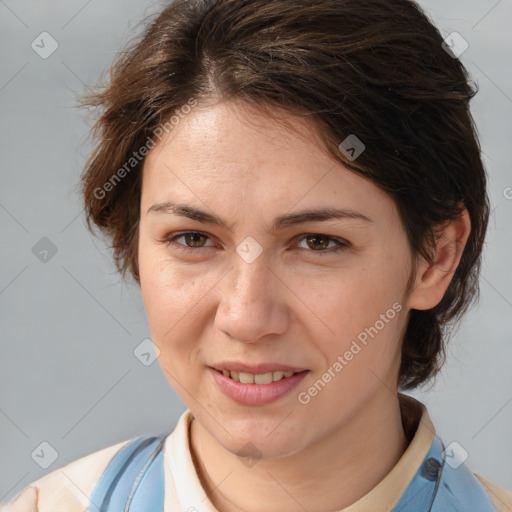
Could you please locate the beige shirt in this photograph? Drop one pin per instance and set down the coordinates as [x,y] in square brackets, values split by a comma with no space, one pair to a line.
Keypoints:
[69,488]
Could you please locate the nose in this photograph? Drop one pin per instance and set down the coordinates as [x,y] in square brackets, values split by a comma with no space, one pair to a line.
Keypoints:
[252,303]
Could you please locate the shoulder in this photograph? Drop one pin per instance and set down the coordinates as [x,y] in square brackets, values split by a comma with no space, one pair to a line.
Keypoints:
[500,497]
[70,487]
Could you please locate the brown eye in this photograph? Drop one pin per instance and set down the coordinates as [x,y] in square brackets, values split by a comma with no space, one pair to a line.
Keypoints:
[191,240]
[320,245]
[317,242]
[194,239]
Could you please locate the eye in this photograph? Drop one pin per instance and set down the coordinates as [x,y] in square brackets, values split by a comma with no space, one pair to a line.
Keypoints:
[194,238]
[316,242]
[319,243]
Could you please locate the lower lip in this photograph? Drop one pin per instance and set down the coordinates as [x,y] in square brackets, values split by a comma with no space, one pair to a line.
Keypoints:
[256,394]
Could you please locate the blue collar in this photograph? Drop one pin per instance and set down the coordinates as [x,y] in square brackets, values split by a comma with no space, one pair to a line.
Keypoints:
[443,484]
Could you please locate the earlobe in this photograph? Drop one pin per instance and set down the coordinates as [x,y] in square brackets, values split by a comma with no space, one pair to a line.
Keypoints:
[432,280]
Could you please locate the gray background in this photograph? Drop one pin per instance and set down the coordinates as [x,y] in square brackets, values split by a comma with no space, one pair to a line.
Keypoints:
[68,375]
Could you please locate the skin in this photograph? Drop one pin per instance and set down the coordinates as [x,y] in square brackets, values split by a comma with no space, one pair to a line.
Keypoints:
[26,501]
[292,305]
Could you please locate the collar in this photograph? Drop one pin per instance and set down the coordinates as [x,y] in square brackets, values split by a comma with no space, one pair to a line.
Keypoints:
[181,475]
[420,431]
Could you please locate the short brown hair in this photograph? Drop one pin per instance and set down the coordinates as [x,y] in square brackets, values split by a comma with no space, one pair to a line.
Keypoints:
[376,69]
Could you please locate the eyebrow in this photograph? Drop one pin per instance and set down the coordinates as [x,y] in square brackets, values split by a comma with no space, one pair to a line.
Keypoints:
[280,222]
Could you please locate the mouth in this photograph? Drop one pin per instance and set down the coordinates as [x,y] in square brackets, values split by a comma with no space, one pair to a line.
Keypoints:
[257,378]
[257,389]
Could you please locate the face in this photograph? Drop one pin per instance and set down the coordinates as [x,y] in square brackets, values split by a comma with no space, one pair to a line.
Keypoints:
[249,284]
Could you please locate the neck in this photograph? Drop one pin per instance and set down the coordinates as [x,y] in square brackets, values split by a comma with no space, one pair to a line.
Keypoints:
[329,475]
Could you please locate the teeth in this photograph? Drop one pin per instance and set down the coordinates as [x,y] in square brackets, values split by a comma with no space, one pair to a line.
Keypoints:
[246,378]
[263,378]
[259,378]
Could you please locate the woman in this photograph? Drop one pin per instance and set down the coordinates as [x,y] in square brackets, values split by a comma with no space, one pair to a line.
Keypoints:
[299,193]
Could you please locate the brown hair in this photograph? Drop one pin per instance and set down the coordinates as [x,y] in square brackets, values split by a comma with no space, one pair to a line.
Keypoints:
[376,69]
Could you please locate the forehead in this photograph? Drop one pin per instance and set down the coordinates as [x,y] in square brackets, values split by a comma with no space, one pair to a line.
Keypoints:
[228,150]
[237,136]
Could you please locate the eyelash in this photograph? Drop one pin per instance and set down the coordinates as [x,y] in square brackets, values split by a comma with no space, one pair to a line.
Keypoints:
[342,245]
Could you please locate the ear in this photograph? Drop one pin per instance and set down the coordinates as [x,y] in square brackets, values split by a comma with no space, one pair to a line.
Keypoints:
[432,280]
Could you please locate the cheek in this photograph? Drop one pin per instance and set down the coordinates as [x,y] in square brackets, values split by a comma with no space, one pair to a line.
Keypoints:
[173,297]
[358,298]
[363,354]
[362,309]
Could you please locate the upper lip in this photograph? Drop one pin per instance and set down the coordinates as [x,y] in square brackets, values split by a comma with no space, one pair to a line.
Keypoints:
[238,366]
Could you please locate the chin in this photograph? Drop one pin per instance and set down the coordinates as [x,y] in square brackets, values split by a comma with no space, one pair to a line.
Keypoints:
[255,448]
[258,437]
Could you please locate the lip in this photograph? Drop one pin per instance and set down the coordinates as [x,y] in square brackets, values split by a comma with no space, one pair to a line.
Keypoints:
[255,368]
[257,394]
